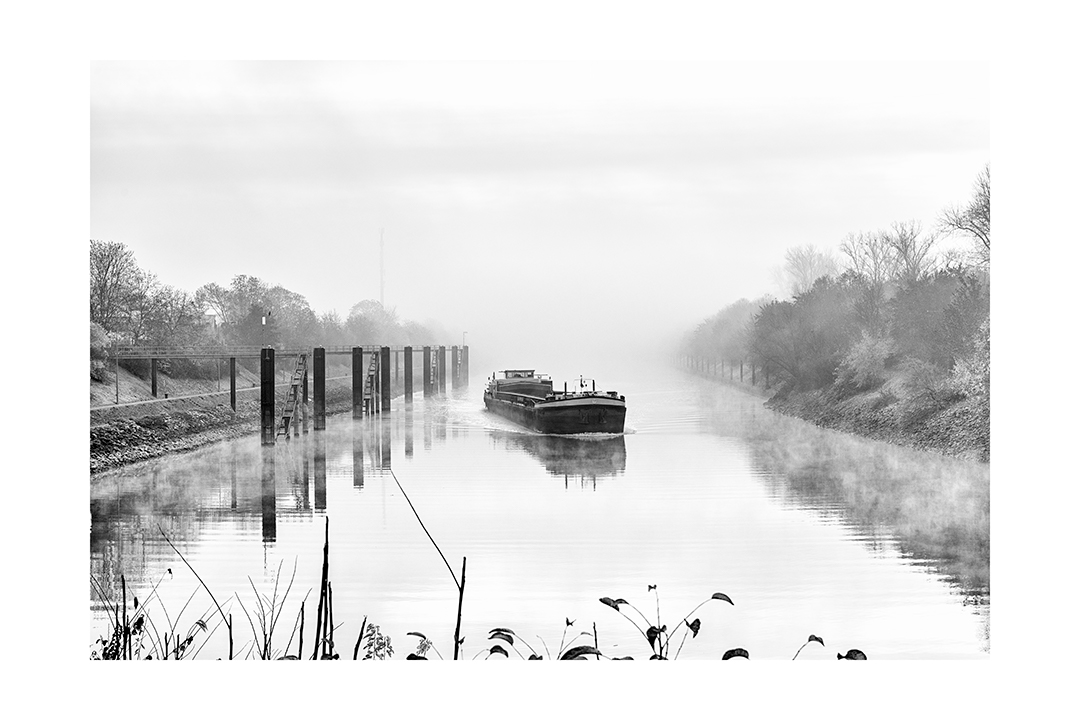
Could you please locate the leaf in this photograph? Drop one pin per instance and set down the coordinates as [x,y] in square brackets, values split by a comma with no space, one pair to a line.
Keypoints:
[815,638]
[651,635]
[626,657]
[611,603]
[534,656]
[694,626]
[498,635]
[736,652]
[620,601]
[498,650]
[419,635]
[201,624]
[852,654]
[508,631]
[721,596]
[569,622]
[657,657]
[576,652]
[414,656]
[651,587]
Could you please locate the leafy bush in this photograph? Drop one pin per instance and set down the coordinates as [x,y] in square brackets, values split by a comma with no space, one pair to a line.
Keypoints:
[863,367]
[971,375]
[925,384]
[99,352]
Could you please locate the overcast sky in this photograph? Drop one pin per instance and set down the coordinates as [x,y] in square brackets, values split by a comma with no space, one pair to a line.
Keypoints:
[531,205]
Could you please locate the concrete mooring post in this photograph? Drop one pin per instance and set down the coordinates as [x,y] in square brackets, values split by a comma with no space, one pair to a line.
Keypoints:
[408,374]
[384,362]
[153,376]
[455,359]
[266,375]
[319,391]
[441,361]
[427,370]
[357,382]
[232,383]
[465,366]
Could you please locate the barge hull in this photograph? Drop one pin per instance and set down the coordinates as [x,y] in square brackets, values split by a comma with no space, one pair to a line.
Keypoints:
[563,418]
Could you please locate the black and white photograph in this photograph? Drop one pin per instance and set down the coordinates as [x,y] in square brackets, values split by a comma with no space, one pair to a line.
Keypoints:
[462,354]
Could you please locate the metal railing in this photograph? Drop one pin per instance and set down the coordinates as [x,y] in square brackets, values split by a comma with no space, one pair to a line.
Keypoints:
[160,352]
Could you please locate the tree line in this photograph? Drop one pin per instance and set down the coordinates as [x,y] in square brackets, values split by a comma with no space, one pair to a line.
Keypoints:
[130,305]
[894,304]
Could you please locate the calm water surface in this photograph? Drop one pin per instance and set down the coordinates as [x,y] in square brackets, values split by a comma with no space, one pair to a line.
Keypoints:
[808,531]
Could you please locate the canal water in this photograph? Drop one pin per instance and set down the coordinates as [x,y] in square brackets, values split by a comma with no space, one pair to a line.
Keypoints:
[808,531]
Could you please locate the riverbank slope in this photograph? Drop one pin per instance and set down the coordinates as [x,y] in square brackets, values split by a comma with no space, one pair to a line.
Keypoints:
[958,429]
[892,413]
[196,414]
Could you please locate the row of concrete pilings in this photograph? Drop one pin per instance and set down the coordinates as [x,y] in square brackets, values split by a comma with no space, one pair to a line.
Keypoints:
[376,371]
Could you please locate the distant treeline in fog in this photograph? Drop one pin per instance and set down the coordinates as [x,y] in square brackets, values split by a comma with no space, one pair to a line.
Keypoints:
[129,305]
[894,306]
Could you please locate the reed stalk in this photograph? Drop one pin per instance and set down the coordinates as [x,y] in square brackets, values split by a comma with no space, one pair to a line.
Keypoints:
[461,599]
[228,620]
[356,649]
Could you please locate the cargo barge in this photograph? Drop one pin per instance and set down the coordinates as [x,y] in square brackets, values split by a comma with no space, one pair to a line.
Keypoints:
[529,399]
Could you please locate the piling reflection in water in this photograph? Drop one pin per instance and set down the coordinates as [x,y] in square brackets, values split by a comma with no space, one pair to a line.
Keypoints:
[384,441]
[305,477]
[232,476]
[269,496]
[358,455]
[408,427]
[320,471]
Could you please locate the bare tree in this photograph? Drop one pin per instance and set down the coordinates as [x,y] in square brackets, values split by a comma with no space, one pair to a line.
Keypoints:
[805,264]
[217,299]
[114,278]
[973,219]
[871,255]
[873,258]
[914,250]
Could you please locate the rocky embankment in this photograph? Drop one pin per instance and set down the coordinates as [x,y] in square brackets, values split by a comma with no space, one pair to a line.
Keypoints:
[960,429]
[127,434]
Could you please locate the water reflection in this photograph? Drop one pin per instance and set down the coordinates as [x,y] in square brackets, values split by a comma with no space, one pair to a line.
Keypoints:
[383,428]
[936,509]
[883,498]
[269,496]
[583,459]
[320,471]
[358,456]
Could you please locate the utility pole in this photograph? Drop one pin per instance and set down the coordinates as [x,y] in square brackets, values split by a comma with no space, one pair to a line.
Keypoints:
[381,277]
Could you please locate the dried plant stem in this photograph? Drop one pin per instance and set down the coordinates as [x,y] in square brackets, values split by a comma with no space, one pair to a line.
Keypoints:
[317,652]
[330,616]
[461,599]
[126,638]
[356,650]
[300,650]
[460,585]
[228,620]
